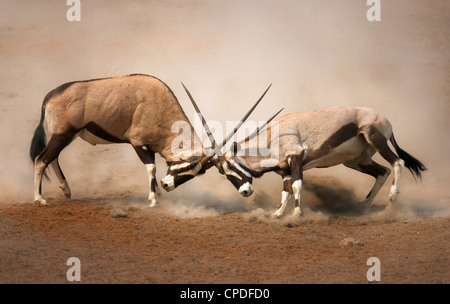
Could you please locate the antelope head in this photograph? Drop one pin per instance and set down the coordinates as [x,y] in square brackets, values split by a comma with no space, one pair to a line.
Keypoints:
[227,165]
[180,172]
[236,172]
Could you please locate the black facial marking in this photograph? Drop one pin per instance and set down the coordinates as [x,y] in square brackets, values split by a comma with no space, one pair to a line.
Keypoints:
[181,179]
[237,183]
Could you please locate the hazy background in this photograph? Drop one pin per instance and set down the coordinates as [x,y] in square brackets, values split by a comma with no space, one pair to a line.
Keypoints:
[315,53]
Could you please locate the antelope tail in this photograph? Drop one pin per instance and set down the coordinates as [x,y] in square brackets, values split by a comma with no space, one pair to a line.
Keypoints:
[412,163]
[38,142]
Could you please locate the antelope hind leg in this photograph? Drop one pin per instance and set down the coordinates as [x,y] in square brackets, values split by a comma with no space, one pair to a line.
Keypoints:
[63,184]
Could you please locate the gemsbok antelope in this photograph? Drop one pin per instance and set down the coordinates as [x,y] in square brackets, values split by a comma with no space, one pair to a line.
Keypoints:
[318,139]
[137,109]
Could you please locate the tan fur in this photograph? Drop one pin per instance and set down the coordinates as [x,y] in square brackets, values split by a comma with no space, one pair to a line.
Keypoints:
[309,130]
[135,109]
[324,138]
[139,109]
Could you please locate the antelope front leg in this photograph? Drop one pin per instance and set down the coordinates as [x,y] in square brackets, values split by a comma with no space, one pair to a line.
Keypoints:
[285,196]
[153,185]
[147,156]
[295,164]
[297,189]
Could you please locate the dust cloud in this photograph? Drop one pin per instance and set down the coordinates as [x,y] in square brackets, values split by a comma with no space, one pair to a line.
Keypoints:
[315,53]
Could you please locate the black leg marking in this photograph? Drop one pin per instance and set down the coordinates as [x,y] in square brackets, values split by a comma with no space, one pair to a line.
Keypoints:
[379,141]
[297,180]
[373,169]
[287,184]
[51,152]
[63,184]
[55,145]
[292,184]
[147,156]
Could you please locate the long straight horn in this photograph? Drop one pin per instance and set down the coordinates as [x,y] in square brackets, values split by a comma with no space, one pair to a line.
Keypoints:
[241,122]
[262,126]
[199,113]
[215,150]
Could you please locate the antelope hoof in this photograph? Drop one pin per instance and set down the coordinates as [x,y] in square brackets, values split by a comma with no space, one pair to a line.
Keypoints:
[393,195]
[41,202]
[365,203]
[67,194]
[297,212]
[276,215]
[65,189]
[153,204]
[152,200]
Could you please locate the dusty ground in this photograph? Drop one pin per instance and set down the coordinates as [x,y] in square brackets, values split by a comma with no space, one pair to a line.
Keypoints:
[149,246]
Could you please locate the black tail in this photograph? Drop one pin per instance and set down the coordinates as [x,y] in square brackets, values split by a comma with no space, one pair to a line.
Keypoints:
[413,164]
[38,143]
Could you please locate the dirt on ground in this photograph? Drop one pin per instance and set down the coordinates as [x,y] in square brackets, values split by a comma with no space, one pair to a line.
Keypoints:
[121,242]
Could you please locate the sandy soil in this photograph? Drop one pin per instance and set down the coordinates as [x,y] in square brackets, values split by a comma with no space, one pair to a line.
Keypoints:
[150,246]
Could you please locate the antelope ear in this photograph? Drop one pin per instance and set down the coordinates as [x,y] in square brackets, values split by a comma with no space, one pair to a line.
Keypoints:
[236,147]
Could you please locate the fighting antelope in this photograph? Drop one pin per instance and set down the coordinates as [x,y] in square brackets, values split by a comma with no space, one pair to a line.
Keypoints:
[319,139]
[137,109]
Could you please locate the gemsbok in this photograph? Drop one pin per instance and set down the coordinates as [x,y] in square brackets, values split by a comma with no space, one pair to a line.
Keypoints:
[137,109]
[318,139]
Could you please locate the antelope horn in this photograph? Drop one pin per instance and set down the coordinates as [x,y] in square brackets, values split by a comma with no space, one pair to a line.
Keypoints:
[262,126]
[200,115]
[216,149]
[241,122]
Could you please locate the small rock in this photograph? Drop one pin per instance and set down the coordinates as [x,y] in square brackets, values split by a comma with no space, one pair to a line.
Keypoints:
[350,240]
[116,213]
